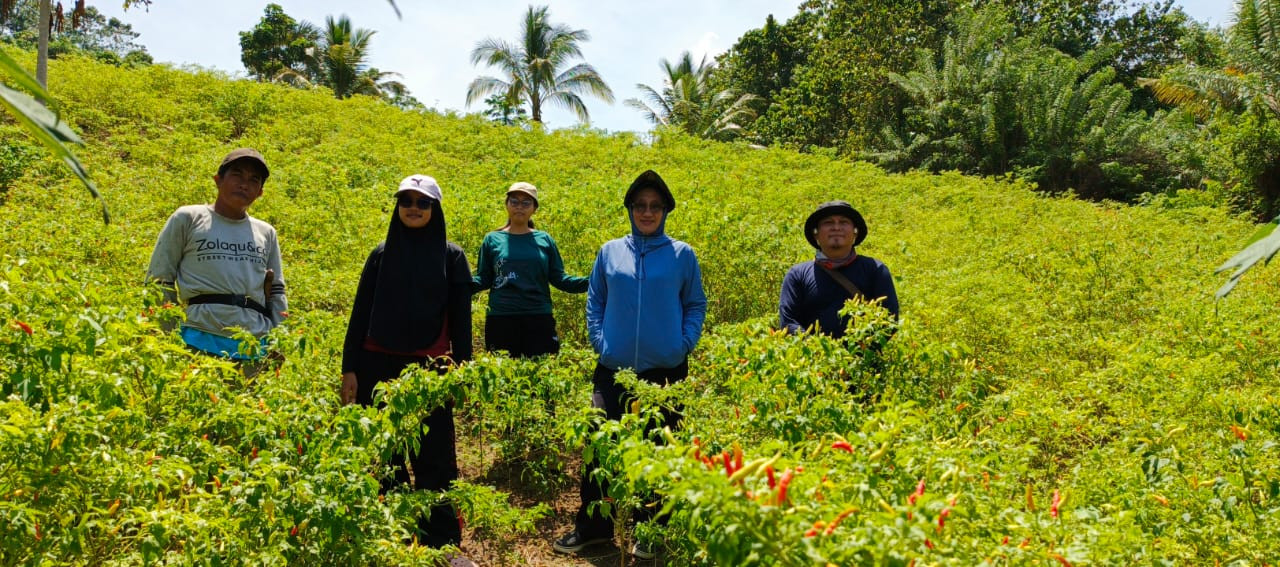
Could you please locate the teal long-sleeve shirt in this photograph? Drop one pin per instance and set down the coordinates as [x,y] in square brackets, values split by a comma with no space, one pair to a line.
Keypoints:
[518,270]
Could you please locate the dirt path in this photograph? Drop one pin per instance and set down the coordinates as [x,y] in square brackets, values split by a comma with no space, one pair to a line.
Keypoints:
[535,549]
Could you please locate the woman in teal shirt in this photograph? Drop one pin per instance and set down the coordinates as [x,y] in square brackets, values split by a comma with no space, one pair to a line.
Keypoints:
[518,264]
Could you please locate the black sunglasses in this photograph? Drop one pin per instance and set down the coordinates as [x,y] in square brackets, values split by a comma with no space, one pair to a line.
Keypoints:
[407,201]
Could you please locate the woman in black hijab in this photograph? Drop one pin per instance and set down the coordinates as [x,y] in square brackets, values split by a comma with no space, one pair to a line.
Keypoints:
[413,306]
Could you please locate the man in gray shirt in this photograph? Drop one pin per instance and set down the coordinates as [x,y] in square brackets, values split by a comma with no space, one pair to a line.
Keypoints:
[223,264]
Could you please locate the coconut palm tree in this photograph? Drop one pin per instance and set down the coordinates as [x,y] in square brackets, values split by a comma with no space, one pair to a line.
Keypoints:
[689,101]
[535,70]
[339,61]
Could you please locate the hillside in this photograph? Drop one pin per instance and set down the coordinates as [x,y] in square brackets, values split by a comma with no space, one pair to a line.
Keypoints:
[1048,346]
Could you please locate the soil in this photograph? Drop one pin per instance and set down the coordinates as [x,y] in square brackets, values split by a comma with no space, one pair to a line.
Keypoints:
[477,465]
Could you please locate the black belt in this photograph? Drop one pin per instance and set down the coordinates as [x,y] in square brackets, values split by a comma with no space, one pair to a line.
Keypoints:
[229,299]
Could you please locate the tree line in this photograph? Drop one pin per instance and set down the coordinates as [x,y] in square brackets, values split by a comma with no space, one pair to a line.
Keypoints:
[1128,100]
[1109,99]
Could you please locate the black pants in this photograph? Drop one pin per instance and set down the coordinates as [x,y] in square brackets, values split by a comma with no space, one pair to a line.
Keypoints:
[523,336]
[614,400]
[435,464]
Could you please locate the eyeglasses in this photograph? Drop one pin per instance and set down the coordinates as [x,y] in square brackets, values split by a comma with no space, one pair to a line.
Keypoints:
[521,203]
[655,208]
[406,201]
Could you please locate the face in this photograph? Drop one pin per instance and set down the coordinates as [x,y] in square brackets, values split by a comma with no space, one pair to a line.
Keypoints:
[836,233]
[647,210]
[414,209]
[520,207]
[238,186]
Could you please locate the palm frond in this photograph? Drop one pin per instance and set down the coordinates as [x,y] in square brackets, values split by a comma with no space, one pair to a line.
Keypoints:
[570,101]
[482,87]
[1264,244]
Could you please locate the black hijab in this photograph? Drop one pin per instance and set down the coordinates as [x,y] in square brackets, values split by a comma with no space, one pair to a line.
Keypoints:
[413,288]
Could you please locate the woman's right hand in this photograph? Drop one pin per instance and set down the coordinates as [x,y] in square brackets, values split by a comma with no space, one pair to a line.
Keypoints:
[348,390]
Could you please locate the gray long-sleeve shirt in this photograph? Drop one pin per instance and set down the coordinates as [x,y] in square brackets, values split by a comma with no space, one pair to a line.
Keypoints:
[202,252]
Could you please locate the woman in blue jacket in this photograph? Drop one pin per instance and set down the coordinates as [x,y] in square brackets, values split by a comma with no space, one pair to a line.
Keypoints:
[645,309]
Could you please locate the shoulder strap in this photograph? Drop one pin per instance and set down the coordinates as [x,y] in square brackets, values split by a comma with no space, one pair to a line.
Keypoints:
[844,282]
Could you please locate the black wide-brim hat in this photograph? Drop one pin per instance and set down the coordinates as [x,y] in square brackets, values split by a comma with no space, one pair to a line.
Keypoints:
[834,208]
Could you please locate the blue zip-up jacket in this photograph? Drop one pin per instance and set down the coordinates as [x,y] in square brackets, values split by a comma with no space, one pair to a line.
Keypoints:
[645,304]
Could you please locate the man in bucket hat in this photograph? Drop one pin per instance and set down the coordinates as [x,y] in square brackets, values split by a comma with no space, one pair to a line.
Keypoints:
[223,264]
[814,292]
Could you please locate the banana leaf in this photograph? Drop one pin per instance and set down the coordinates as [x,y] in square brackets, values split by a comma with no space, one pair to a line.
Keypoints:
[44,124]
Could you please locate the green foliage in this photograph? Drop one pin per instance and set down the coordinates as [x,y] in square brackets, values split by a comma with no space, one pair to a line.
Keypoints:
[1144,37]
[503,112]
[763,60]
[992,103]
[534,69]
[840,96]
[89,33]
[33,114]
[688,100]
[300,54]
[276,43]
[1236,100]
[1047,345]
[16,157]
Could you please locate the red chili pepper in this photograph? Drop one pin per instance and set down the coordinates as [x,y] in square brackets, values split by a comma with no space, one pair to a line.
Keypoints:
[918,493]
[25,328]
[768,471]
[812,532]
[928,543]
[843,446]
[1005,541]
[737,457]
[1053,508]
[1240,432]
[841,517]
[782,487]
[294,531]
[254,455]
[728,464]
[39,536]
[1061,559]
[942,517]
[299,449]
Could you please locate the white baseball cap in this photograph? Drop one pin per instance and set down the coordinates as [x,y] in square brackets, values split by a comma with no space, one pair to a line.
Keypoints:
[423,184]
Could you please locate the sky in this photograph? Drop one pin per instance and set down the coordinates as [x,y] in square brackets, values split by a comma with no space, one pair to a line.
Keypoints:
[430,46]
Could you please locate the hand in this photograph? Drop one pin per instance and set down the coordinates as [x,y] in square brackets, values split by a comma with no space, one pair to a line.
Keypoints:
[267,280]
[348,390]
